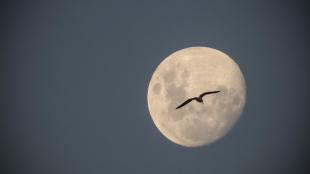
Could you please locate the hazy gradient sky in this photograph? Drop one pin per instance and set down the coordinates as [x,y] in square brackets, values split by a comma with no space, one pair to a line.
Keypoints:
[74,77]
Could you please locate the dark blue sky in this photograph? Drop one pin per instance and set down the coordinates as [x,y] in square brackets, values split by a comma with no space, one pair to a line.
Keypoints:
[74,78]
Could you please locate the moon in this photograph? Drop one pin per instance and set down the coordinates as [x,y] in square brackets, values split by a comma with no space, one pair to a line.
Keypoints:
[188,73]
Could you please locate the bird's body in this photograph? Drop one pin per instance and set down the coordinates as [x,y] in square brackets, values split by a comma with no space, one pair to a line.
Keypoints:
[198,99]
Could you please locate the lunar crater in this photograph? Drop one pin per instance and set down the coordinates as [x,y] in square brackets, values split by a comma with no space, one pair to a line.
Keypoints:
[157,88]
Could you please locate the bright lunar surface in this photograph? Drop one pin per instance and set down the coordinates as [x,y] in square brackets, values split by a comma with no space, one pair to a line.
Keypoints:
[188,73]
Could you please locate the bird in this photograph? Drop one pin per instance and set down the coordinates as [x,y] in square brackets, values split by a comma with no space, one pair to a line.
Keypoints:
[198,99]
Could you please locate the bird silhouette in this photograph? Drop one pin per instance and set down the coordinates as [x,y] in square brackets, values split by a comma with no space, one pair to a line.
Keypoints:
[198,99]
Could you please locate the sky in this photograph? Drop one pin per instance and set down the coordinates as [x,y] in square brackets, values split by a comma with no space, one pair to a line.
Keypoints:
[74,78]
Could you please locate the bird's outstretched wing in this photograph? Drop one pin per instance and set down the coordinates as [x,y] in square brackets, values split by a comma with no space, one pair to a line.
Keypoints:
[206,93]
[184,103]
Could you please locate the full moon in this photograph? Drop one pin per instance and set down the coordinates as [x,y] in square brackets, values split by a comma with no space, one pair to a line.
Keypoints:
[185,74]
